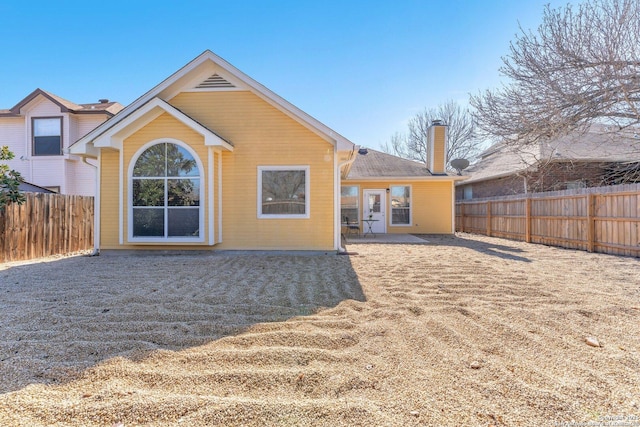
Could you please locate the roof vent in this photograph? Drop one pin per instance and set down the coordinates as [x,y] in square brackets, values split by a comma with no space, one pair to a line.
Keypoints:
[103,100]
[363,151]
[214,82]
[437,122]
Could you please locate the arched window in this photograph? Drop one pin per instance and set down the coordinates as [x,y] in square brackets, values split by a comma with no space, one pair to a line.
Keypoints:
[165,195]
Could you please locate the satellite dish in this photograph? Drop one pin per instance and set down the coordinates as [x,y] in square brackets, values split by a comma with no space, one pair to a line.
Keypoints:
[459,165]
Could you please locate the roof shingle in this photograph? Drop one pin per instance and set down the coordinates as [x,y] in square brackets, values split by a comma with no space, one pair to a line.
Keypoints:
[376,164]
[595,145]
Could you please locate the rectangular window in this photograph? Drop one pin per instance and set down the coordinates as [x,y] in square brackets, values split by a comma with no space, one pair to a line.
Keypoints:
[47,136]
[401,205]
[468,192]
[349,204]
[283,191]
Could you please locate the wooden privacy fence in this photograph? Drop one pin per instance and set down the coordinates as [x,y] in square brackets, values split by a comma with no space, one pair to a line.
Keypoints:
[46,224]
[602,219]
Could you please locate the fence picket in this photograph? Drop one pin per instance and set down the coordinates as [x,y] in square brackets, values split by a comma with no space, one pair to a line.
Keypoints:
[601,219]
[46,224]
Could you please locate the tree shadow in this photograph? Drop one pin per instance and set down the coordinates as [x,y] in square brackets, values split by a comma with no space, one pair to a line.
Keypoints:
[504,251]
[64,316]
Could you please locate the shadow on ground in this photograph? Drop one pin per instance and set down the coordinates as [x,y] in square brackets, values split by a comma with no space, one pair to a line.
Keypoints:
[489,246]
[61,317]
[503,250]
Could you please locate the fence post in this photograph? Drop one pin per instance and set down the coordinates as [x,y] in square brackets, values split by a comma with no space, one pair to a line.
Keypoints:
[489,219]
[591,223]
[527,225]
[462,217]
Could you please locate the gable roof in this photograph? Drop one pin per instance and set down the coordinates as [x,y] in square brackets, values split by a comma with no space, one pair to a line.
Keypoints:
[66,106]
[376,164]
[184,78]
[115,134]
[596,145]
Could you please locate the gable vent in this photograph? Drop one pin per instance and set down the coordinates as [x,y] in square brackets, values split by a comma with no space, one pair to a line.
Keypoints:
[213,82]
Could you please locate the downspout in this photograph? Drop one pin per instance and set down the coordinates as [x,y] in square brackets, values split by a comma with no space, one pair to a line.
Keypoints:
[96,209]
[336,192]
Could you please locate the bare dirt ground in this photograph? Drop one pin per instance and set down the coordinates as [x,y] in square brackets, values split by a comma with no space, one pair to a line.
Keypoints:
[457,331]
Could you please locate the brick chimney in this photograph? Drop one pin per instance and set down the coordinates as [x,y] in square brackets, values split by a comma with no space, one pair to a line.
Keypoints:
[437,148]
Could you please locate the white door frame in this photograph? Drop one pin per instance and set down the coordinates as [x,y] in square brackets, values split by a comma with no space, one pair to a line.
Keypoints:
[379,227]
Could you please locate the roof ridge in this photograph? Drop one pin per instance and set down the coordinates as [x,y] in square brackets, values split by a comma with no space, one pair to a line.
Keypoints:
[64,104]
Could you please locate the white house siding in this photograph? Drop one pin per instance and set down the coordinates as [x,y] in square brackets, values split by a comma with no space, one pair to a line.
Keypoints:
[68,172]
[41,107]
[48,172]
[87,123]
[73,133]
[13,135]
[45,171]
[80,177]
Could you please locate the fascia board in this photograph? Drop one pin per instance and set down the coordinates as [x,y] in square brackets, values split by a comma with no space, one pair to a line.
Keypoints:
[408,178]
[147,113]
[140,118]
[18,108]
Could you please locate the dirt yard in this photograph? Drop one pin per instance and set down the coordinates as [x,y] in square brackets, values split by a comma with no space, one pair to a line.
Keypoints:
[457,331]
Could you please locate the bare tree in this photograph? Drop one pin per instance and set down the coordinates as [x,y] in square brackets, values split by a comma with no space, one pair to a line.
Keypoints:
[461,139]
[582,66]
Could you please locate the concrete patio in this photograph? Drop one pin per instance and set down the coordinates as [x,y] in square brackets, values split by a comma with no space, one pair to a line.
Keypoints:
[383,238]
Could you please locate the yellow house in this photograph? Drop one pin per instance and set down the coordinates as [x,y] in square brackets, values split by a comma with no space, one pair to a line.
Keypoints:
[211,159]
[381,193]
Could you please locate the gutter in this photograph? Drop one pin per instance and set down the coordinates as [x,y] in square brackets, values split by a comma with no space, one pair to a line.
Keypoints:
[96,209]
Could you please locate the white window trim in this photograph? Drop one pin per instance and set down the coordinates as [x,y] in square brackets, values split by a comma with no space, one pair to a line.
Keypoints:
[33,136]
[307,193]
[210,195]
[201,207]
[410,206]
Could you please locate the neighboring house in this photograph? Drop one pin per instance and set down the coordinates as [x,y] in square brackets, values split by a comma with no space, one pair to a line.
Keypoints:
[210,158]
[575,161]
[27,187]
[39,130]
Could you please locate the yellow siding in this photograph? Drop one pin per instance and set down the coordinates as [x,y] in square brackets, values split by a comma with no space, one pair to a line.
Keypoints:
[109,160]
[431,205]
[439,150]
[262,136]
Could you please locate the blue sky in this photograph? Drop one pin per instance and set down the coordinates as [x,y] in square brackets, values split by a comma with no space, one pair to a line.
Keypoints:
[361,67]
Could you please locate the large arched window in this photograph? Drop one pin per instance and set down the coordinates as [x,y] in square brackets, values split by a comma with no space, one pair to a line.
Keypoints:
[165,195]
